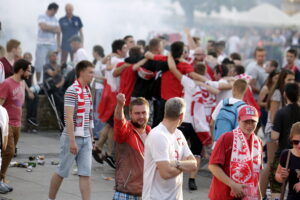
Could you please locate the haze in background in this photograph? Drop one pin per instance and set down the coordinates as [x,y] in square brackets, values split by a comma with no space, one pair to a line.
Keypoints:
[103,20]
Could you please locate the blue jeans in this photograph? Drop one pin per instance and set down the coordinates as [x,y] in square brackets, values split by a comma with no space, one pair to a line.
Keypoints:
[41,55]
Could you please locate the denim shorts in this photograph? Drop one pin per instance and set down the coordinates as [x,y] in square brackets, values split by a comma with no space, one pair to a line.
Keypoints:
[41,55]
[83,158]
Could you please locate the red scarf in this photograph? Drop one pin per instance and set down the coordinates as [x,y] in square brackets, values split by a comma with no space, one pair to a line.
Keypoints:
[245,164]
[80,112]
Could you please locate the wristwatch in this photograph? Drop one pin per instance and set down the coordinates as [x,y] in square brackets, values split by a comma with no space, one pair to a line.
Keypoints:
[177,164]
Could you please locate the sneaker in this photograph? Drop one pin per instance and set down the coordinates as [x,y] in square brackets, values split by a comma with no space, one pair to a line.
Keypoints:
[75,170]
[3,188]
[192,184]
[110,161]
[97,155]
[10,189]
[32,122]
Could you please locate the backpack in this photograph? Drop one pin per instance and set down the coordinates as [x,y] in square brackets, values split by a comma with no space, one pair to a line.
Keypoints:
[227,118]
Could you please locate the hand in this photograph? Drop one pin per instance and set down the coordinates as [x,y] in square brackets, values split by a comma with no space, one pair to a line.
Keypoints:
[73,147]
[284,173]
[149,55]
[186,31]
[237,190]
[30,94]
[57,29]
[121,99]
[297,187]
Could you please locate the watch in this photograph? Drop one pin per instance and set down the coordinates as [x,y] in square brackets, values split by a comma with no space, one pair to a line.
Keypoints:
[177,164]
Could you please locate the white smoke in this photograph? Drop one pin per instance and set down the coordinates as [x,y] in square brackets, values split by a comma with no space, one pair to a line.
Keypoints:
[103,20]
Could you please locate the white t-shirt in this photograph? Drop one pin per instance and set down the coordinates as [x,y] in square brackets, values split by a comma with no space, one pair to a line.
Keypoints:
[223,93]
[47,37]
[220,105]
[234,44]
[80,55]
[161,145]
[99,71]
[114,82]
[191,93]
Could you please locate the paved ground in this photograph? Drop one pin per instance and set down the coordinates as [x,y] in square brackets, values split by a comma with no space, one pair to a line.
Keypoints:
[34,185]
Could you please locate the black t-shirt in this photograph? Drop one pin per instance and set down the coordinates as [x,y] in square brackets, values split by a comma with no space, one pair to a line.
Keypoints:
[283,121]
[29,80]
[146,88]
[294,164]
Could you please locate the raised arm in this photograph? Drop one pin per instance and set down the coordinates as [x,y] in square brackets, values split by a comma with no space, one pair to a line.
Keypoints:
[119,110]
[173,68]
[191,43]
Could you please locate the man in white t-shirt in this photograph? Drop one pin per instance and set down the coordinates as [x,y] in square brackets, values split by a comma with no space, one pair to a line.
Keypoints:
[80,53]
[238,92]
[167,155]
[48,37]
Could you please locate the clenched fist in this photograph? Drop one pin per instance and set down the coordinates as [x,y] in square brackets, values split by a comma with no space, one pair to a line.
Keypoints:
[121,99]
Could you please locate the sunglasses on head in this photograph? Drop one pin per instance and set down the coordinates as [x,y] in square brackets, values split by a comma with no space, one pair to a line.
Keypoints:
[295,142]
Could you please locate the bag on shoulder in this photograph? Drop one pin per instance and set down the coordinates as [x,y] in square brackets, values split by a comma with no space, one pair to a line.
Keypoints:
[227,118]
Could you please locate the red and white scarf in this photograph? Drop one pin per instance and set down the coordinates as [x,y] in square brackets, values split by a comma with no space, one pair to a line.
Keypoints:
[245,164]
[80,112]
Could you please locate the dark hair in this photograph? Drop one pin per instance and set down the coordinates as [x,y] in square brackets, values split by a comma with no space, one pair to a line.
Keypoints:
[292,92]
[221,69]
[117,45]
[127,36]
[212,53]
[154,44]
[99,50]
[239,69]
[52,6]
[235,56]
[21,64]
[293,51]
[274,63]
[138,102]
[81,66]
[269,82]
[280,86]
[135,51]
[200,68]
[141,42]
[258,49]
[177,49]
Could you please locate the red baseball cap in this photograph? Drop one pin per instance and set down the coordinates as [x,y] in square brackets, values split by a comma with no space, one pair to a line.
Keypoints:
[248,113]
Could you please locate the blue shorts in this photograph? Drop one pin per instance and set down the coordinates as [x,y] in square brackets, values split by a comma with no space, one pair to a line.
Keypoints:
[83,158]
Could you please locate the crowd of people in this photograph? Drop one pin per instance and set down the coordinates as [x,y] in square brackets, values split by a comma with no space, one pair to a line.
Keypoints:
[199,102]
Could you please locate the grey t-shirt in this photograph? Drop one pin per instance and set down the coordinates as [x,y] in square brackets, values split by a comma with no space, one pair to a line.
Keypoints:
[257,72]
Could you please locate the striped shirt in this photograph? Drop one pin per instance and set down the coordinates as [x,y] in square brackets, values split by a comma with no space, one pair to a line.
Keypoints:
[71,98]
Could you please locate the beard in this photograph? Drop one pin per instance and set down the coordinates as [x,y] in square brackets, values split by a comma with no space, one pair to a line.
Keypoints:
[138,125]
[24,77]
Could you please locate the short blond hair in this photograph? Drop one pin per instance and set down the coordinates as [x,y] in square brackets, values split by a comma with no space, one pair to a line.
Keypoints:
[295,130]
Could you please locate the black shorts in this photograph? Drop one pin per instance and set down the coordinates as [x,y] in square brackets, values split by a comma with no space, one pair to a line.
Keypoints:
[191,137]
[110,121]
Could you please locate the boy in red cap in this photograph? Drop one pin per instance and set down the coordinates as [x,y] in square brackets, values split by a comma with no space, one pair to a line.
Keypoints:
[236,160]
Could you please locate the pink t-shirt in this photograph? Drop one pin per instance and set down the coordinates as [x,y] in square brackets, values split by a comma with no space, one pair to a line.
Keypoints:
[13,93]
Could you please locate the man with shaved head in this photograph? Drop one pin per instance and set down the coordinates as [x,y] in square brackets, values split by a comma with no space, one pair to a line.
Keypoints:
[70,25]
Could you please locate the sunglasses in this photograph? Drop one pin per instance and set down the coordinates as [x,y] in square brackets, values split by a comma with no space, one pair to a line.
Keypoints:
[295,142]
